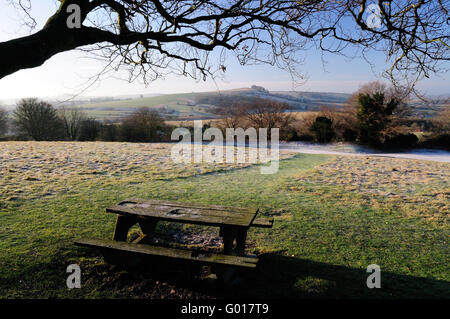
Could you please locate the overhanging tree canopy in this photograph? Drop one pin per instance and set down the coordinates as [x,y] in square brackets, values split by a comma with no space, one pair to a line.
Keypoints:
[152,37]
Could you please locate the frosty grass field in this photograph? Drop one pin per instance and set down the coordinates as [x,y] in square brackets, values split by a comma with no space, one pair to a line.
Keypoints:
[334,215]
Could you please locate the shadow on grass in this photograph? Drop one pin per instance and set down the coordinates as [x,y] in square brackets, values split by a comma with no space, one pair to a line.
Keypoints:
[276,277]
[283,277]
[290,277]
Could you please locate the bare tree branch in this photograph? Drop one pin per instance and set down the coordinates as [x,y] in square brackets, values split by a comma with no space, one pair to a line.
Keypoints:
[154,38]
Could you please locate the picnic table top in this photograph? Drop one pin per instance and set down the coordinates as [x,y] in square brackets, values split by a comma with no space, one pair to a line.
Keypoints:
[210,215]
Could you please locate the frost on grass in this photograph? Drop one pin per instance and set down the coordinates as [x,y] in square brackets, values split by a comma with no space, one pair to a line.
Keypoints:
[412,187]
[31,170]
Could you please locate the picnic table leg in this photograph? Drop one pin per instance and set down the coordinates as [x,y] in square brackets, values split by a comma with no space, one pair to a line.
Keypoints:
[228,235]
[229,275]
[123,224]
[241,237]
[148,226]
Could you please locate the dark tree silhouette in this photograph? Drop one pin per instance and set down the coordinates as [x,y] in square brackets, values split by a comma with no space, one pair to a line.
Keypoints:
[231,113]
[268,114]
[323,129]
[142,125]
[3,121]
[38,120]
[72,118]
[374,114]
[152,37]
[89,129]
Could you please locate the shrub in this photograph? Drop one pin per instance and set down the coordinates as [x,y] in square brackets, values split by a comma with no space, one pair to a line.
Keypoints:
[374,113]
[305,137]
[350,135]
[377,109]
[109,132]
[303,124]
[400,141]
[322,129]
[89,130]
[344,123]
[144,125]
[441,122]
[289,134]
[441,141]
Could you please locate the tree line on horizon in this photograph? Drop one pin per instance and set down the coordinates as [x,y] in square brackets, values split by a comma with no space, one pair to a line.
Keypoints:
[37,120]
[376,115]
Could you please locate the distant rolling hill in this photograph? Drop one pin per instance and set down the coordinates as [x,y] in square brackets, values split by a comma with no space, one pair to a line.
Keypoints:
[201,105]
[189,106]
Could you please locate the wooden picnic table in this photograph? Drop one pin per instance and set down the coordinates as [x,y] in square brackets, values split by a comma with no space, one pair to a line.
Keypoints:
[234,222]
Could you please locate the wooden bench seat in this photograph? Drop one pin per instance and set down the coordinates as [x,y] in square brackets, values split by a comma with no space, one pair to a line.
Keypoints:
[181,254]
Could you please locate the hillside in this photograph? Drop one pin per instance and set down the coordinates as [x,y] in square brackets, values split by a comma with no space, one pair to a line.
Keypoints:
[201,105]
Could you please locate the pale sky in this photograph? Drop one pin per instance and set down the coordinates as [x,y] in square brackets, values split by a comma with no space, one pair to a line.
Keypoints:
[66,73]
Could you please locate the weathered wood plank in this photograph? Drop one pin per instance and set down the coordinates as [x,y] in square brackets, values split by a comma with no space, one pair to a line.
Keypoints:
[168,211]
[181,217]
[181,254]
[212,210]
[188,205]
[198,210]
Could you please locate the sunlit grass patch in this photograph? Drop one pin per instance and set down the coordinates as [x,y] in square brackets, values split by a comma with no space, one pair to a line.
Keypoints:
[418,189]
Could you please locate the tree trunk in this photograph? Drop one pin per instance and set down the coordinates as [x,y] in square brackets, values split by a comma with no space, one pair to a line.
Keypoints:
[33,50]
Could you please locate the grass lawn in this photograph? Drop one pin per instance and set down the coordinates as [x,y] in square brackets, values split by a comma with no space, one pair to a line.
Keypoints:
[334,216]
